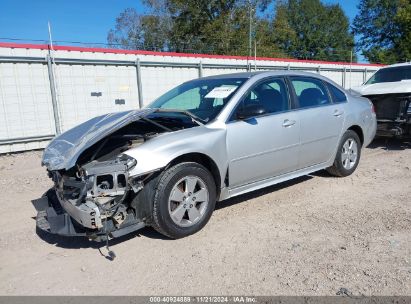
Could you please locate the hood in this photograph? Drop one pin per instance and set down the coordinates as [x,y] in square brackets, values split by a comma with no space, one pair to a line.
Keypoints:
[403,86]
[64,150]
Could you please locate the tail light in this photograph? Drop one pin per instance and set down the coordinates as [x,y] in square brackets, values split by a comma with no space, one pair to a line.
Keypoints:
[372,108]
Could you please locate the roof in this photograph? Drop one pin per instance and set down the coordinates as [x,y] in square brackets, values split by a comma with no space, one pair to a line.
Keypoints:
[396,65]
[269,73]
[266,73]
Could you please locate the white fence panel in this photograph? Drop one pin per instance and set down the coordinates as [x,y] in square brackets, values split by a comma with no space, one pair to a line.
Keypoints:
[25,104]
[158,80]
[87,91]
[335,76]
[219,71]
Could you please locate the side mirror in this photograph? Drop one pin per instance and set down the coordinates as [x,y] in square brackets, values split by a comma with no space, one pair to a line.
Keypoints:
[250,111]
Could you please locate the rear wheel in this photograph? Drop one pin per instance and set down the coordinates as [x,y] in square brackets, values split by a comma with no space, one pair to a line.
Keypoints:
[348,155]
[184,200]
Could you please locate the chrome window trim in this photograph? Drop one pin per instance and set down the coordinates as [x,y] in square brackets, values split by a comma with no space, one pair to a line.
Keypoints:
[327,84]
[231,117]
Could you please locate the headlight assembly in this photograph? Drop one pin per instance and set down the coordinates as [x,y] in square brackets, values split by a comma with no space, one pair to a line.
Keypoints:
[130,161]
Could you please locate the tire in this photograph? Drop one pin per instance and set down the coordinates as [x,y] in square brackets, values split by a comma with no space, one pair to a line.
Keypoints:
[177,211]
[343,166]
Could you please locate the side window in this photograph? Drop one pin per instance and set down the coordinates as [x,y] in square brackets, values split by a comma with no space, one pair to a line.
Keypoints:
[271,96]
[310,92]
[337,94]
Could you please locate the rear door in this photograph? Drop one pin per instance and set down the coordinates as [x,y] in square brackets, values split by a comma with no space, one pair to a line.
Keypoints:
[321,120]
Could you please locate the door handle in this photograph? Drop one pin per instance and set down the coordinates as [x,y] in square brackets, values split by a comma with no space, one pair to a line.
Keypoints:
[338,113]
[288,123]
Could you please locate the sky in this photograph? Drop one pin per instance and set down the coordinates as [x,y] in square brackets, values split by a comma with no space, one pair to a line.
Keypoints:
[76,20]
[71,20]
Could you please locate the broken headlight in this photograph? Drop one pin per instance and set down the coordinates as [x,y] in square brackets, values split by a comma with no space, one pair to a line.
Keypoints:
[128,160]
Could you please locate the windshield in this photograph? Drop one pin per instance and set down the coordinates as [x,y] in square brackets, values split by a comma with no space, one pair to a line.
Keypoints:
[391,75]
[204,98]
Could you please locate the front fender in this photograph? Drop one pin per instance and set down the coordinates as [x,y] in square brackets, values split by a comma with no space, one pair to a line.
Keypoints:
[158,152]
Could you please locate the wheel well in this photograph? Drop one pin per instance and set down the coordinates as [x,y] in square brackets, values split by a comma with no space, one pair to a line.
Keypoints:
[358,130]
[204,160]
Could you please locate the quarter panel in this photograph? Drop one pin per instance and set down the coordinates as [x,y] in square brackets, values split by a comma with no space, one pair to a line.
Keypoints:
[359,113]
[320,133]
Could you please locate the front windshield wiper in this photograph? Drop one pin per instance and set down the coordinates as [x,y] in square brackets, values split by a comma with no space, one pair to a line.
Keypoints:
[195,118]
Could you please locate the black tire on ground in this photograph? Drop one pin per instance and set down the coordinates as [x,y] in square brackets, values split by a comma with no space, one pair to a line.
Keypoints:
[162,221]
[337,169]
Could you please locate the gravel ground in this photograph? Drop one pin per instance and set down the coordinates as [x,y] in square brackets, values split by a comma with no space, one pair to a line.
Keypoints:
[310,236]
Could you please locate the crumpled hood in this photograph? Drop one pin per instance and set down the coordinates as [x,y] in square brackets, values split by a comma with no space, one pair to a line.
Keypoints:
[64,150]
[383,88]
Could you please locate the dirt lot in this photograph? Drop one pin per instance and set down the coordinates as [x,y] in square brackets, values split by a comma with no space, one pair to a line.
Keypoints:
[311,236]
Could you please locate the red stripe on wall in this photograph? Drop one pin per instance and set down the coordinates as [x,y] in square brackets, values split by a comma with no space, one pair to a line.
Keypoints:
[172,54]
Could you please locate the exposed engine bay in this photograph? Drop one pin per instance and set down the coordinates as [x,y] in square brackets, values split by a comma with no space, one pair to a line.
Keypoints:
[98,193]
[393,114]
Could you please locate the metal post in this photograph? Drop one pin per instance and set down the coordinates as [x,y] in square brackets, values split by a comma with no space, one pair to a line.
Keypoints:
[53,96]
[139,87]
[350,68]
[288,67]
[364,78]
[249,32]
[200,70]
[255,55]
[344,76]
[319,70]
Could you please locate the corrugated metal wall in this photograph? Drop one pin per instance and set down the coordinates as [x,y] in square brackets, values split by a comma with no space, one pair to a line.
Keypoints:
[89,83]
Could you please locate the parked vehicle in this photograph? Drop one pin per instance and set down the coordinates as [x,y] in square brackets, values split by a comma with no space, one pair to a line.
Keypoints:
[205,141]
[389,89]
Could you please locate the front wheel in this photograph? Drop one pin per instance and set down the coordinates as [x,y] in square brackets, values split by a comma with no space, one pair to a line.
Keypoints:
[348,155]
[184,200]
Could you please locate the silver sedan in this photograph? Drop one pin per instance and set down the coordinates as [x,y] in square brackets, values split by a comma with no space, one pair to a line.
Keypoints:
[205,141]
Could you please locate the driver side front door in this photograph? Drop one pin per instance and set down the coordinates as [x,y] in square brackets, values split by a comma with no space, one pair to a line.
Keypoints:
[265,145]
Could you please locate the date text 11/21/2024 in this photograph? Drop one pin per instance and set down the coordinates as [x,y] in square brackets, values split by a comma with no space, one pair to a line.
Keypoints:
[204,299]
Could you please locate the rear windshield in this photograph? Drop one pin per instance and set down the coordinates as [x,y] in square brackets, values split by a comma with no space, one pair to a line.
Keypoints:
[393,74]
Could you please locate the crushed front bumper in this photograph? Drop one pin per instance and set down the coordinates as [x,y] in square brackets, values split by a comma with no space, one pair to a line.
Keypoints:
[52,218]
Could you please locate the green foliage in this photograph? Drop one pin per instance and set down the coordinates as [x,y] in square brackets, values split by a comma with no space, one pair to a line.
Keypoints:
[384,28]
[135,31]
[309,29]
[403,19]
[294,28]
[207,26]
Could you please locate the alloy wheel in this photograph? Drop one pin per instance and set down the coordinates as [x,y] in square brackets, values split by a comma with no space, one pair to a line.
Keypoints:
[188,201]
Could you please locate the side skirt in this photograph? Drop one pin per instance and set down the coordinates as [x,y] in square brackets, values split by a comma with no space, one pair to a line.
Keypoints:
[227,193]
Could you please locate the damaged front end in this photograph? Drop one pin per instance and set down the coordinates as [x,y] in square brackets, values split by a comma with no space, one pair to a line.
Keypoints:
[393,114]
[94,194]
[94,202]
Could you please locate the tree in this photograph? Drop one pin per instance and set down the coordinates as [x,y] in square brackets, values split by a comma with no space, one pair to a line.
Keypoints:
[215,26]
[135,31]
[384,28]
[309,29]
[403,19]
[301,28]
